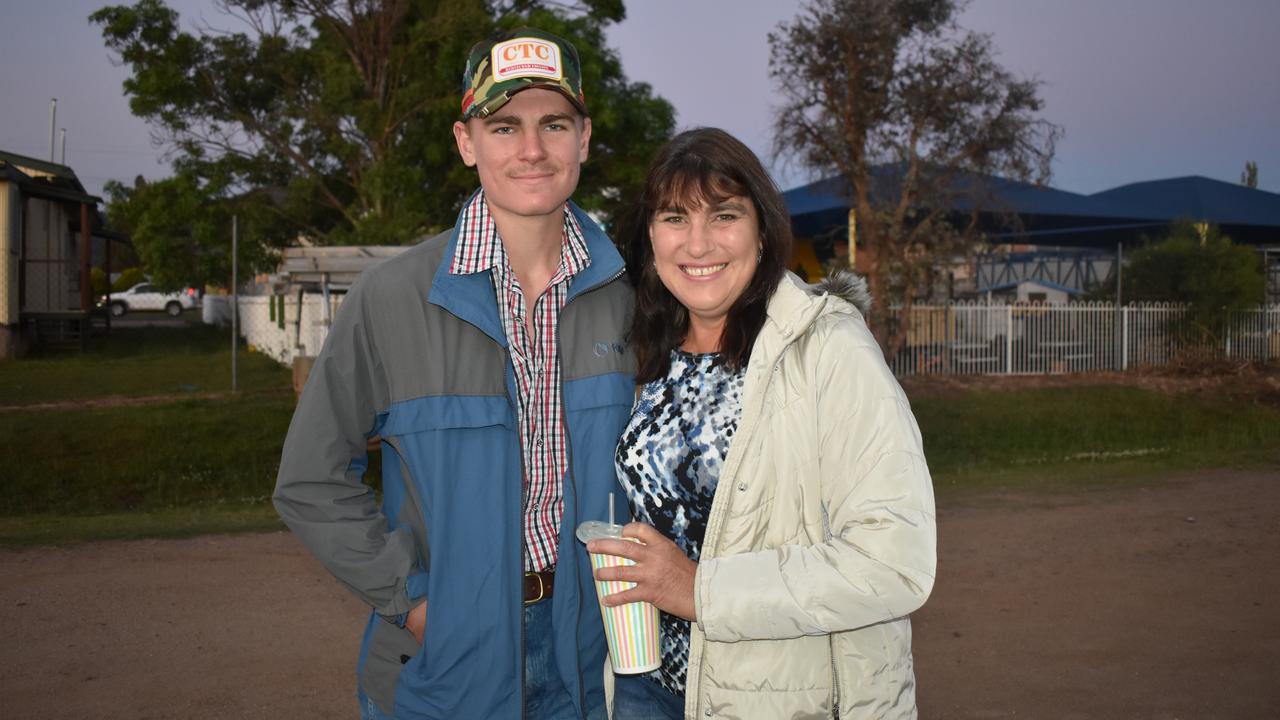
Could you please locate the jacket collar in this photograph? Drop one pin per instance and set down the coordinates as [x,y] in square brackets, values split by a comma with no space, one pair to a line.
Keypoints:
[793,307]
[471,297]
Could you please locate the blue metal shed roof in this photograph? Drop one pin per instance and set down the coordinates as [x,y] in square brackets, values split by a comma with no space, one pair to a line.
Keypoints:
[1197,198]
[1049,216]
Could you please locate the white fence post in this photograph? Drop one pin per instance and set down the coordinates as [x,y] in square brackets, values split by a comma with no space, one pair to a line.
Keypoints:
[1008,340]
[1124,338]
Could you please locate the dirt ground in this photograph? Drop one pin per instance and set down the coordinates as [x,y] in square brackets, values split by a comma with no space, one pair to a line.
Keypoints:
[1147,602]
[1221,380]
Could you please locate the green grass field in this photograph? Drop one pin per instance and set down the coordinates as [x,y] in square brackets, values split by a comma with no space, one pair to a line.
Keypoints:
[134,362]
[195,464]
[1088,435]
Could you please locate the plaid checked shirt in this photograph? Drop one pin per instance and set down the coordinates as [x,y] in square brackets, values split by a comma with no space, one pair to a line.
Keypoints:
[537,367]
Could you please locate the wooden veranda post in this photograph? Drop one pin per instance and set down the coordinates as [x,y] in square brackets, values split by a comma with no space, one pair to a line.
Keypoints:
[853,240]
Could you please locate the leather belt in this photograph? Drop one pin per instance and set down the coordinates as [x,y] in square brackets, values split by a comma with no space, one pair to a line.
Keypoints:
[538,585]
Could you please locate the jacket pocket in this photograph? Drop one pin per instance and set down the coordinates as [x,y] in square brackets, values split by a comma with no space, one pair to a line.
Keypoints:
[390,648]
[799,664]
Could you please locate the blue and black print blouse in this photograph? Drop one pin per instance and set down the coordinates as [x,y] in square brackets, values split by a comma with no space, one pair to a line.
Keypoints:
[669,461]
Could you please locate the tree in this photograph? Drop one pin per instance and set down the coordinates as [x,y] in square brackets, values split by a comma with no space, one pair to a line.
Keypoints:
[331,119]
[1249,178]
[1196,264]
[181,228]
[916,115]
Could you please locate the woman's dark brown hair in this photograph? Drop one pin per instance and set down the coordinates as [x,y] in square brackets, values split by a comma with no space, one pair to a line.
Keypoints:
[696,168]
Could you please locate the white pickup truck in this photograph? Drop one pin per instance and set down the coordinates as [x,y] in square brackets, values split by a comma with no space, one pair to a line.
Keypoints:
[145,297]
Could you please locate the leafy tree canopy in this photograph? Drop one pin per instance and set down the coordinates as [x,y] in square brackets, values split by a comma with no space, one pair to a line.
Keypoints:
[332,120]
[1249,178]
[915,113]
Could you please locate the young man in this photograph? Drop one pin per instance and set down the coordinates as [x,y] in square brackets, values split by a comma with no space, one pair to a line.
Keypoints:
[489,360]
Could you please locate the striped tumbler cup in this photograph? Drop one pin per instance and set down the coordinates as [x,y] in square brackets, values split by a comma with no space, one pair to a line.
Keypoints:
[631,629]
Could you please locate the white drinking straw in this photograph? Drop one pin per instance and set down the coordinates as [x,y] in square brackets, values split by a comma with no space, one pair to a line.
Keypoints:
[611,508]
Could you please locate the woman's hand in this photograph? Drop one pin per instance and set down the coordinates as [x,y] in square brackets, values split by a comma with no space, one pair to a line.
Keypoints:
[663,574]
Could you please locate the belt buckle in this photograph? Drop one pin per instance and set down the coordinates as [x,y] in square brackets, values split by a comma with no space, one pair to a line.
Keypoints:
[542,588]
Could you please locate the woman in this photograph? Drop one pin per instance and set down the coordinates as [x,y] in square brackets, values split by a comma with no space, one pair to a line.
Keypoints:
[785,512]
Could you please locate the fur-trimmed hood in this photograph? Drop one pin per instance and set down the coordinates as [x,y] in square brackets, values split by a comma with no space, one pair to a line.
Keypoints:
[847,286]
[796,304]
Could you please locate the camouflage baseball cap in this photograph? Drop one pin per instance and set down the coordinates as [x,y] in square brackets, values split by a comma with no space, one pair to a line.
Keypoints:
[518,60]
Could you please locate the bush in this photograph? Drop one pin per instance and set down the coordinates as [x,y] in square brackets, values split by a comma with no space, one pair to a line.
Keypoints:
[127,279]
[1199,266]
[98,281]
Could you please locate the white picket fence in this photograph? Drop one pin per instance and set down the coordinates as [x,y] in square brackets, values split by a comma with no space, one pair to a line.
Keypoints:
[958,338]
[978,338]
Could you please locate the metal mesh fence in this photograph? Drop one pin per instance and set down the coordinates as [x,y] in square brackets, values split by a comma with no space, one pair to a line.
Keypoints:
[958,338]
[977,338]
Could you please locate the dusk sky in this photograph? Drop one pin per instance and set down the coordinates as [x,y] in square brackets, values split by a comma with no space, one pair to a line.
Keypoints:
[1144,89]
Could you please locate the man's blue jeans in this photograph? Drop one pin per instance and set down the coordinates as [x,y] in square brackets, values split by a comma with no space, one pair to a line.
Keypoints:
[546,697]
[638,697]
[545,694]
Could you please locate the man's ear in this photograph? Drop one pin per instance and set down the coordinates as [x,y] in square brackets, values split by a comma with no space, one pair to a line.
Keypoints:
[584,142]
[462,135]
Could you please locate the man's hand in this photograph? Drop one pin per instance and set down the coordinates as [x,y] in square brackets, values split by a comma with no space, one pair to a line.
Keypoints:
[416,621]
[663,574]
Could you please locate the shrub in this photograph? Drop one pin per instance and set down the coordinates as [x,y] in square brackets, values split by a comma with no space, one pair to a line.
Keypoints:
[127,279]
[1199,266]
[98,281]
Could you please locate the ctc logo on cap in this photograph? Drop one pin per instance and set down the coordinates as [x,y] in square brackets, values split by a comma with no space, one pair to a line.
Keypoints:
[526,57]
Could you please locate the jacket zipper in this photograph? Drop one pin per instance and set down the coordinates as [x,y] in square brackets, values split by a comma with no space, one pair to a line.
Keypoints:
[573,484]
[831,639]
[524,501]
[835,679]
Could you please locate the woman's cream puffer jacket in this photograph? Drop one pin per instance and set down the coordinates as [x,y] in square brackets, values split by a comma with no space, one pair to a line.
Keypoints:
[821,538]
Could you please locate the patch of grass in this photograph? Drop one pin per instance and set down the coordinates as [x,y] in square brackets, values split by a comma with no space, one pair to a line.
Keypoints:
[1086,435]
[142,458]
[201,465]
[135,362]
[169,523]
[174,467]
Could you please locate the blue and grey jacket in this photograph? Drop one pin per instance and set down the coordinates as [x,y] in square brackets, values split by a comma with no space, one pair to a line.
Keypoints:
[418,357]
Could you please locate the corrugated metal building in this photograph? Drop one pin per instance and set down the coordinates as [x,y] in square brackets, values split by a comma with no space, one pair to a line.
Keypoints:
[49,227]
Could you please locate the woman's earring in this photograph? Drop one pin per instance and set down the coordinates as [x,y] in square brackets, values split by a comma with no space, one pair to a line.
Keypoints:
[760,254]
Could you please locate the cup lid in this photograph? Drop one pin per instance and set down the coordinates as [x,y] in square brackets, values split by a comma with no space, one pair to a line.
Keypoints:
[596,529]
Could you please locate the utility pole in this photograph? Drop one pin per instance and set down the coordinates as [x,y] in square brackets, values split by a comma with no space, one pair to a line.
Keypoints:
[53,124]
[62,138]
[235,300]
